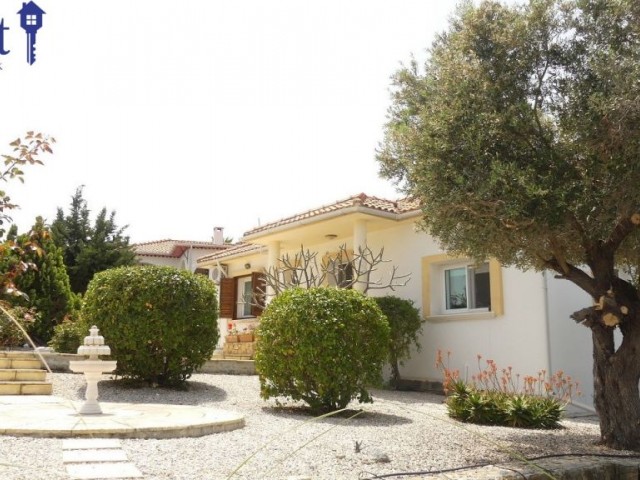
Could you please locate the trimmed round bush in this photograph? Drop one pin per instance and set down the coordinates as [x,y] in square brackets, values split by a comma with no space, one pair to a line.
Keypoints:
[323,346]
[160,322]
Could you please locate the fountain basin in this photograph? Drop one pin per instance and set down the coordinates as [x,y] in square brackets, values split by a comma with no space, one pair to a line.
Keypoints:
[92,366]
[93,370]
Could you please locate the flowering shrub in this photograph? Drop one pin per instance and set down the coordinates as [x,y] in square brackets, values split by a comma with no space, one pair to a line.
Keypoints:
[231,329]
[499,397]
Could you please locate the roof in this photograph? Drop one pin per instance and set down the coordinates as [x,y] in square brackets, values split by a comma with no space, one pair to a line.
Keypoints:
[400,206]
[30,8]
[232,251]
[173,248]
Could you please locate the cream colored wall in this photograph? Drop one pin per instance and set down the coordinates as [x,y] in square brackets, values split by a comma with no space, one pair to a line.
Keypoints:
[237,268]
[516,338]
[570,343]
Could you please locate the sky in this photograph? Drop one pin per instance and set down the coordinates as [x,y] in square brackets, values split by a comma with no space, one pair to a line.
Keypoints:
[184,116]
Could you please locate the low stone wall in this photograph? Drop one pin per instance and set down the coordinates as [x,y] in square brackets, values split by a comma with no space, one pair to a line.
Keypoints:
[239,350]
[229,366]
[59,362]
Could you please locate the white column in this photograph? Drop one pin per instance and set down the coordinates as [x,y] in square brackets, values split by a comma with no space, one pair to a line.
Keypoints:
[272,263]
[359,243]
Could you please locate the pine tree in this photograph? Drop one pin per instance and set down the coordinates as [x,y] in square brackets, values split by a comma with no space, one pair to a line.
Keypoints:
[46,285]
[89,249]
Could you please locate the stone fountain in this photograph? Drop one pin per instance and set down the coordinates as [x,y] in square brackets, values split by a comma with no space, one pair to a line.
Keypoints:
[93,368]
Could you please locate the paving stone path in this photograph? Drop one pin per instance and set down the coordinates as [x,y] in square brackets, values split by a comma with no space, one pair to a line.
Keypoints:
[93,459]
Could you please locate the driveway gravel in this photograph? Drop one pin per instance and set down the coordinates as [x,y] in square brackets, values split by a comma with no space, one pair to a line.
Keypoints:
[400,432]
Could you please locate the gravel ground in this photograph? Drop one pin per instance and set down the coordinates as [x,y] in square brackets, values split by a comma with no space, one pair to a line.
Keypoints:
[399,432]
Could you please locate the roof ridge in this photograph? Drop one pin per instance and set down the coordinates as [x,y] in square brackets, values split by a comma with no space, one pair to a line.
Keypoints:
[178,241]
[360,199]
[152,241]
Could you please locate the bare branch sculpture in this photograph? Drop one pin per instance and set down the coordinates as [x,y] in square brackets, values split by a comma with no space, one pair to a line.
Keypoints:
[343,269]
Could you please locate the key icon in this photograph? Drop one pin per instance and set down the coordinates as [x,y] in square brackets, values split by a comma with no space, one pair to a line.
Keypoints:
[31,21]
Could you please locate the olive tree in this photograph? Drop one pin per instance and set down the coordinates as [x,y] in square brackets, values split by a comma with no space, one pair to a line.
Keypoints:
[521,137]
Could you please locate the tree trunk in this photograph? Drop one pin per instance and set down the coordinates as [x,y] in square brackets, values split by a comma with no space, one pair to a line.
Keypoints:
[616,395]
[395,374]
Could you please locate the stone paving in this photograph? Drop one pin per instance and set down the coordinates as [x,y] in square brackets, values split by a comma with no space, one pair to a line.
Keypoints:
[93,453]
[49,416]
[93,459]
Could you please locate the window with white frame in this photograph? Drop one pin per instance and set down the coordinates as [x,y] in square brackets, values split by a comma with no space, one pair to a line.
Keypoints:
[466,288]
[244,297]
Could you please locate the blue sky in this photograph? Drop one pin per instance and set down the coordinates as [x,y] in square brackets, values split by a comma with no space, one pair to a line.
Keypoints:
[183,116]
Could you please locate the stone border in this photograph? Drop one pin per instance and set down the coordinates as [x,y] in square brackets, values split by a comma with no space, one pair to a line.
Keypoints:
[59,362]
[54,417]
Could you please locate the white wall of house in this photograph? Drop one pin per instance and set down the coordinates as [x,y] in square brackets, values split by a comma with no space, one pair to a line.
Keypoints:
[403,247]
[517,338]
[187,261]
[160,261]
[571,345]
[533,333]
[529,336]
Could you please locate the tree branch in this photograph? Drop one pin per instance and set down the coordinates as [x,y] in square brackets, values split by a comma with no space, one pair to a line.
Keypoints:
[623,228]
[573,274]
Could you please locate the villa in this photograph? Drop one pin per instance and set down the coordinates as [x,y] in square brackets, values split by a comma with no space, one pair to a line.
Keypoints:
[518,319]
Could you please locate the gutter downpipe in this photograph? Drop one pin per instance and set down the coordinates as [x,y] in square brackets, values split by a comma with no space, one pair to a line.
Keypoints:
[547,320]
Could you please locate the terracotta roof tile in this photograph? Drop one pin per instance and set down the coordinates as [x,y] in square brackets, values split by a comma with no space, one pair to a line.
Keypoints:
[374,203]
[172,248]
[233,250]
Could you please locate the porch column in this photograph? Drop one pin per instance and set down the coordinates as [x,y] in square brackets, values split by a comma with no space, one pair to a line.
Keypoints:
[272,263]
[359,244]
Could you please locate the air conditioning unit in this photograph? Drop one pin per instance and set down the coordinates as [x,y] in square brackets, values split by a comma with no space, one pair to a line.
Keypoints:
[218,273]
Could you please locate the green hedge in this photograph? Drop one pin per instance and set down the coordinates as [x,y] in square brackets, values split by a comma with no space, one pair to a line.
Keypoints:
[323,346]
[161,323]
[406,325]
[69,335]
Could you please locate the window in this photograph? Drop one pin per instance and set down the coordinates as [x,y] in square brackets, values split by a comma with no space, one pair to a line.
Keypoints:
[32,19]
[340,275]
[454,288]
[245,296]
[242,297]
[202,271]
[467,288]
